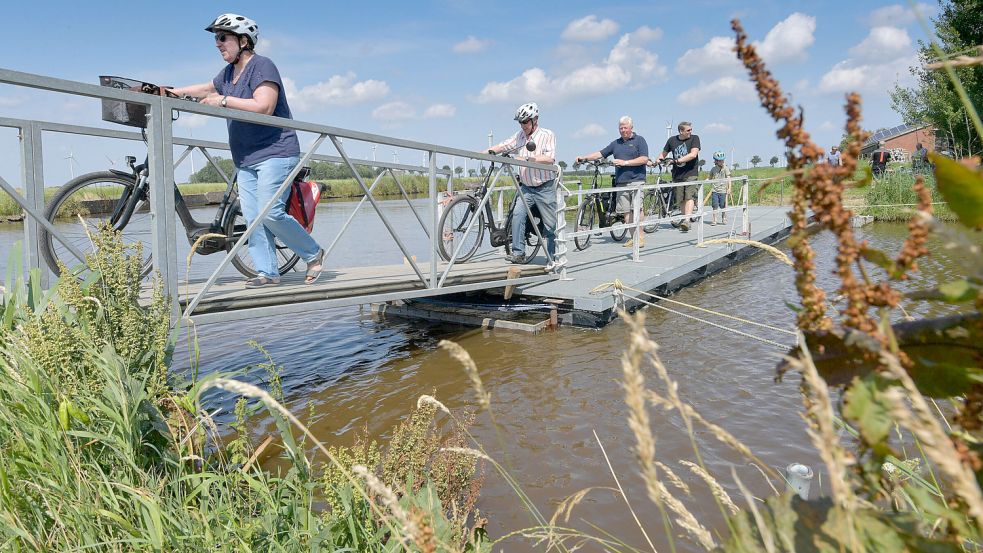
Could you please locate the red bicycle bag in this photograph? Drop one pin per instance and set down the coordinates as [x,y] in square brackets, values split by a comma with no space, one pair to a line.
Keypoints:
[302,204]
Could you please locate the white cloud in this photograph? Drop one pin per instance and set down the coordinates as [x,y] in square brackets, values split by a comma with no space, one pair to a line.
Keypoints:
[192,120]
[717,54]
[849,75]
[12,101]
[718,127]
[732,88]
[590,29]
[789,39]
[827,126]
[880,60]
[628,65]
[900,15]
[339,90]
[882,43]
[396,112]
[471,45]
[589,130]
[439,110]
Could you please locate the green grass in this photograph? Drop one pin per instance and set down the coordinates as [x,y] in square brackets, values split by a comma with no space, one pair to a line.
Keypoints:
[102,448]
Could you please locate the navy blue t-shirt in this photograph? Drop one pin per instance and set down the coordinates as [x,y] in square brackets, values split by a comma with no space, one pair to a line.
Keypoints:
[627,149]
[251,143]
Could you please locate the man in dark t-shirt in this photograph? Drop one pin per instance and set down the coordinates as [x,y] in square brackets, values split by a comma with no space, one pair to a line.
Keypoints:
[683,150]
[631,154]
[879,159]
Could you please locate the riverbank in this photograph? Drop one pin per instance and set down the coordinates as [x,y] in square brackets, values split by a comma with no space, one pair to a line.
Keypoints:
[103,446]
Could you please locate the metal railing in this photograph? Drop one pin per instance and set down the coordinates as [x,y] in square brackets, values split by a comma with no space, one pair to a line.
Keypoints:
[161,164]
[638,191]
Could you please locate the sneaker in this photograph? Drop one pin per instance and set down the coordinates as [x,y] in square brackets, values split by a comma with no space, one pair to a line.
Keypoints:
[631,242]
[684,226]
[518,259]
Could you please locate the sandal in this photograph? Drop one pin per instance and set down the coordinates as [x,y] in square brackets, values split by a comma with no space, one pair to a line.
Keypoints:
[257,282]
[314,273]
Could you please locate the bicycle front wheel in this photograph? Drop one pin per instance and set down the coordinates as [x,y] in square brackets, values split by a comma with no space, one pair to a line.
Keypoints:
[83,206]
[652,208]
[586,220]
[459,231]
[235,228]
[617,234]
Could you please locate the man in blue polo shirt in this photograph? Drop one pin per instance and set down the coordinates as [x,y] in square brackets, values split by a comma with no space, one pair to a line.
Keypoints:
[631,154]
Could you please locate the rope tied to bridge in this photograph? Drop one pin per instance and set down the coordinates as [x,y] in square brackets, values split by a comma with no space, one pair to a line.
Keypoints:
[619,289]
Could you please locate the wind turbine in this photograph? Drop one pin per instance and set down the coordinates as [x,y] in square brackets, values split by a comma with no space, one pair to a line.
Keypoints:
[71,162]
[112,162]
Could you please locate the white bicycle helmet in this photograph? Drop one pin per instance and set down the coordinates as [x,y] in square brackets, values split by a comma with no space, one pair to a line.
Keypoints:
[235,23]
[718,155]
[527,112]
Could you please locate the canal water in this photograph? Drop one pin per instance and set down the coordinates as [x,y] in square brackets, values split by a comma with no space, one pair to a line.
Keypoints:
[551,392]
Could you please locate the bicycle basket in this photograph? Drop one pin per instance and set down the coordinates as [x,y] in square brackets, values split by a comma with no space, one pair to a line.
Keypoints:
[126,113]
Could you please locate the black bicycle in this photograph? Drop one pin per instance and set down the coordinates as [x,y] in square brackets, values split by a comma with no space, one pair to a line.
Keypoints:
[598,209]
[121,200]
[461,233]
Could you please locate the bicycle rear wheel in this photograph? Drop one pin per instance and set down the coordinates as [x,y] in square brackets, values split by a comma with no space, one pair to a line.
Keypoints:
[586,220]
[83,206]
[236,227]
[455,234]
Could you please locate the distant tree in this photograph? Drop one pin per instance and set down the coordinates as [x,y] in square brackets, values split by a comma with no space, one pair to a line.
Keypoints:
[325,170]
[755,160]
[702,163]
[458,170]
[935,99]
[563,165]
[483,170]
[736,166]
[773,161]
[208,173]
[446,167]
[472,172]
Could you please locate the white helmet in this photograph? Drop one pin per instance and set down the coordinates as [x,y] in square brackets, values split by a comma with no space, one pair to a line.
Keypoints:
[235,23]
[527,112]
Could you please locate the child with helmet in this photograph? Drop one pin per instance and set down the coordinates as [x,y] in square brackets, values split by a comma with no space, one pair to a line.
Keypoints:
[720,190]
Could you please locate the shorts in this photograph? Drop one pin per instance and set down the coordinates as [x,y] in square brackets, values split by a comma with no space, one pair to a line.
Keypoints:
[623,199]
[718,200]
[689,191]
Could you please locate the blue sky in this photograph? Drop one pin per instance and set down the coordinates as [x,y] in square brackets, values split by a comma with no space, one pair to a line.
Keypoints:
[450,72]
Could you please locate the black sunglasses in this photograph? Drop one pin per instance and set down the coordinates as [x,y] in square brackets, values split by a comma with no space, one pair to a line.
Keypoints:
[220,37]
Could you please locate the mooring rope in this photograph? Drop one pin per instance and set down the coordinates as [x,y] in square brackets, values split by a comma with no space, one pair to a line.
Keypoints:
[619,289]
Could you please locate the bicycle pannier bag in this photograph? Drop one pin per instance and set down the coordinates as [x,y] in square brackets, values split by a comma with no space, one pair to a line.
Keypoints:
[125,113]
[302,204]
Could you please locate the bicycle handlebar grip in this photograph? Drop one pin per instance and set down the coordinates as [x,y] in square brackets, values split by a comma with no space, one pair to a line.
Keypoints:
[490,151]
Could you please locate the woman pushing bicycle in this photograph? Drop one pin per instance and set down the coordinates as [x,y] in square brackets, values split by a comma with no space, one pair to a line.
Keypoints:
[263,156]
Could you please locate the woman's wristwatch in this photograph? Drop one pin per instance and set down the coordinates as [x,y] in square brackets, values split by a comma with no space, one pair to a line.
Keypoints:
[224,98]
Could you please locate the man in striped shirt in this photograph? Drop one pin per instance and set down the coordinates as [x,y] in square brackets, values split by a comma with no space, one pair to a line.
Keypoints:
[537,186]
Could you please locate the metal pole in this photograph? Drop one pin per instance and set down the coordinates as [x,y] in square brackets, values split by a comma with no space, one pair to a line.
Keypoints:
[32,168]
[636,212]
[435,235]
[163,242]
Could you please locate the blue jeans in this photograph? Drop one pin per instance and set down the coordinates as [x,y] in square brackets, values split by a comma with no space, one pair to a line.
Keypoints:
[257,183]
[544,198]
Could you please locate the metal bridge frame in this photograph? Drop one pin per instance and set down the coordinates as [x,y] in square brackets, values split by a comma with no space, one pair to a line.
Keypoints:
[161,164]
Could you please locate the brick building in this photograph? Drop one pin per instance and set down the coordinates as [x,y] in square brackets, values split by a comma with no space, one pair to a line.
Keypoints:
[901,140]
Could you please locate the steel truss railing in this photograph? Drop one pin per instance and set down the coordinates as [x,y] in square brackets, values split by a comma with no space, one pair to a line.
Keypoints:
[161,163]
[637,192]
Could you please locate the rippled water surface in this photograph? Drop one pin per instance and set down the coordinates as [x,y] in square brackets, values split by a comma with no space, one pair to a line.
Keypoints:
[551,392]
